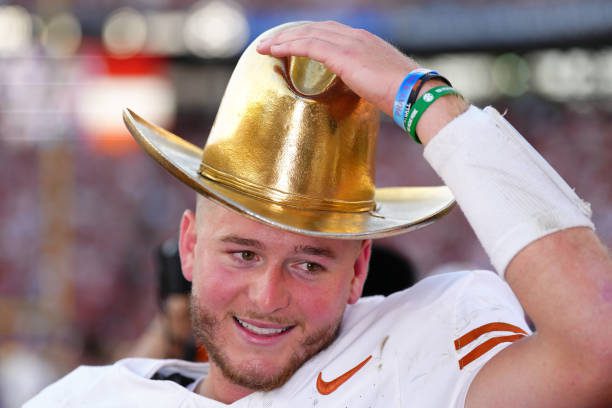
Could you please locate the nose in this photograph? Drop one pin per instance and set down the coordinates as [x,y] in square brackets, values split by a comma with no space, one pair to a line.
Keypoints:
[269,291]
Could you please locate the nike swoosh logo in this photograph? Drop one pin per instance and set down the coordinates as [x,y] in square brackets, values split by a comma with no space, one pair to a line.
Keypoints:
[327,387]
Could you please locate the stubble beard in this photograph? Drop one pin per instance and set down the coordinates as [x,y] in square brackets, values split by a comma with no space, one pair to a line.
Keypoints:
[249,374]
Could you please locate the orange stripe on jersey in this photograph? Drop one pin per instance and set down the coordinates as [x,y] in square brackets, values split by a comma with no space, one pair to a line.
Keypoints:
[479,331]
[486,346]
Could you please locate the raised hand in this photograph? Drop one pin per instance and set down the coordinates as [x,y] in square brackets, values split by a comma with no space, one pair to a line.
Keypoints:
[371,67]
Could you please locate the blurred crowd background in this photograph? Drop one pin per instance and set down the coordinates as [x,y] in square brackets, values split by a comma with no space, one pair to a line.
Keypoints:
[82,209]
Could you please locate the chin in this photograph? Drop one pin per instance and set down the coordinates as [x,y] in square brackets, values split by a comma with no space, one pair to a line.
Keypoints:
[259,374]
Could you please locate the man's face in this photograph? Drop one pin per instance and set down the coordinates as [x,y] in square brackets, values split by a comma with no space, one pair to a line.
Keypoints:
[264,300]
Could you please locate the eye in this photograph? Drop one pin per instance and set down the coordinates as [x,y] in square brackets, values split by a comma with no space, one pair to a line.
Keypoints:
[244,258]
[247,255]
[311,267]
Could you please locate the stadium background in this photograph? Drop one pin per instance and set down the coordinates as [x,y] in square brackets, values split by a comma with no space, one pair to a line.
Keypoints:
[81,208]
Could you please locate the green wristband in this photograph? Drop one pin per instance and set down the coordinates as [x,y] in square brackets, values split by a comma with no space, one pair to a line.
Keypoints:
[420,106]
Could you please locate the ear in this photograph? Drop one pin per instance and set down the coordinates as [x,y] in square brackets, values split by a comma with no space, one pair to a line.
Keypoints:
[187,243]
[361,271]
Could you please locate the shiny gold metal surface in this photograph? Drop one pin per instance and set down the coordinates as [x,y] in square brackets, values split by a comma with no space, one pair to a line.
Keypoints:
[273,142]
[292,146]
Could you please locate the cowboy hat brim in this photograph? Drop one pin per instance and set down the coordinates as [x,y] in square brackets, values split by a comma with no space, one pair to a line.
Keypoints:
[398,209]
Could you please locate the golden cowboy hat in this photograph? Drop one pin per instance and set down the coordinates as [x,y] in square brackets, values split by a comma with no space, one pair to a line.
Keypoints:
[293,147]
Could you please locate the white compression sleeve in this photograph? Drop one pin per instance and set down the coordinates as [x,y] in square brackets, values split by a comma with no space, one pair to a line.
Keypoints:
[510,195]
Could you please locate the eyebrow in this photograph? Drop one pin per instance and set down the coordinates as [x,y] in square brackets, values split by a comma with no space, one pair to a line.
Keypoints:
[235,239]
[300,249]
[318,251]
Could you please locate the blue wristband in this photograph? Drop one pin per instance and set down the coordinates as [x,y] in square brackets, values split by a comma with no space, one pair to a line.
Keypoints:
[403,93]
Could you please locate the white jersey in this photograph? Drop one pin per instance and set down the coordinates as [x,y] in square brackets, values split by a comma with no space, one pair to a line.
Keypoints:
[420,348]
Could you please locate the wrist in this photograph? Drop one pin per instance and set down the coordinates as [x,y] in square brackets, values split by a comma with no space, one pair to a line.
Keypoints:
[396,80]
[440,113]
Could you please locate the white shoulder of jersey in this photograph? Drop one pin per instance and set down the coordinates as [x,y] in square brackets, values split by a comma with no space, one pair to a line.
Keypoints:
[125,382]
[432,291]
[61,392]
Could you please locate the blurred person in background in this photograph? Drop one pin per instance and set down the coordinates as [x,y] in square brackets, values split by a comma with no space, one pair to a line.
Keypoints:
[276,292]
[169,334]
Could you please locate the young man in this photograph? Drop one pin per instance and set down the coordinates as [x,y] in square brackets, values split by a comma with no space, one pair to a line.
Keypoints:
[280,241]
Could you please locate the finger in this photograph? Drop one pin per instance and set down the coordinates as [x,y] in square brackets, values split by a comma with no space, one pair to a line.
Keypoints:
[317,28]
[329,30]
[340,39]
[311,29]
[320,50]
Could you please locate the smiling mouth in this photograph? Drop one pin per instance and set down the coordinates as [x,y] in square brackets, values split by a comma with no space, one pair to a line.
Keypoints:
[262,331]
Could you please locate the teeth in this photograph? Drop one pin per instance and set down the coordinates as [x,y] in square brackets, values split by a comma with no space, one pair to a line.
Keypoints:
[260,330]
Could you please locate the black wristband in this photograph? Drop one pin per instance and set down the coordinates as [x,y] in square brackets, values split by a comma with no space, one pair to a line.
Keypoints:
[419,85]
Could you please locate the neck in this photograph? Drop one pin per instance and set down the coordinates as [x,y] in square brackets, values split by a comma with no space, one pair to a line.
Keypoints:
[216,386]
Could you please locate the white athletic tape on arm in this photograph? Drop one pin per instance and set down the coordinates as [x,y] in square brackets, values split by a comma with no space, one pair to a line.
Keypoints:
[510,195]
